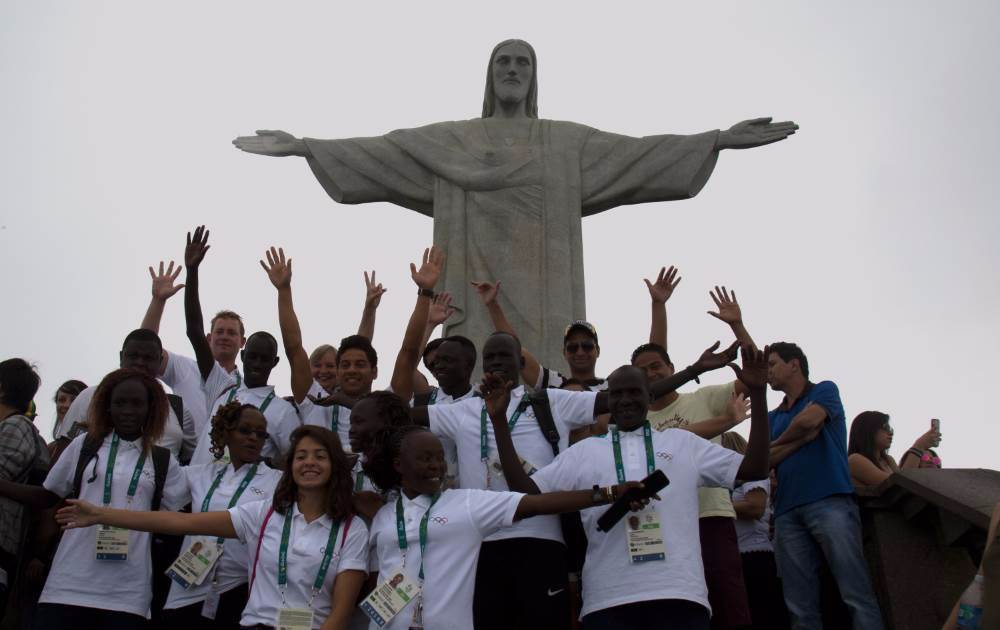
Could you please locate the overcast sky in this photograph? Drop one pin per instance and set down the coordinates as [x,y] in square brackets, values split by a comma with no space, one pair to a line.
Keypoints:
[868,237]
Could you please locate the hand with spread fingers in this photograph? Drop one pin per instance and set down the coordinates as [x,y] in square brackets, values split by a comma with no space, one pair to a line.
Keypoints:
[710,360]
[441,309]
[197,247]
[487,291]
[430,268]
[754,133]
[729,309]
[279,270]
[163,281]
[738,408]
[753,374]
[496,394]
[666,281]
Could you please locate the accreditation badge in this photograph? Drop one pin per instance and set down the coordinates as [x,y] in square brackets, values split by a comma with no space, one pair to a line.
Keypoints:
[195,562]
[112,543]
[294,619]
[390,597]
[645,536]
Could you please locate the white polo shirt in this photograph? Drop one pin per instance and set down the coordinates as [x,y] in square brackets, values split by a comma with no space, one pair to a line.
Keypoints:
[233,567]
[183,376]
[78,578]
[180,441]
[458,524]
[450,448]
[461,422]
[317,415]
[307,544]
[609,578]
[280,414]
[549,378]
[754,535]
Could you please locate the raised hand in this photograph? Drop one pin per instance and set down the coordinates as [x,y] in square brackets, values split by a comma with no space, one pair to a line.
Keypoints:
[373,291]
[77,514]
[430,268]
[753,374]
[163,281]
[738,408]
[496,394]
[279,270]
[274,143]
[755,133]
[930,439]
[197,246]
[487,291]
[666,281]
[729,308]
[710,360]
[441,309]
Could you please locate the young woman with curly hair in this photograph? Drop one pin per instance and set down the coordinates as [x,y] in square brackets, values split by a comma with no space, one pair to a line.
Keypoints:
[309,555]
[241,431]
[107,586]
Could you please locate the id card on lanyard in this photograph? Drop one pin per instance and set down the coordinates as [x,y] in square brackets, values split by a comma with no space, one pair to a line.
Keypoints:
[195,563]
[643,530]
[492,463]
[395,593]
[112,542]
[290,618]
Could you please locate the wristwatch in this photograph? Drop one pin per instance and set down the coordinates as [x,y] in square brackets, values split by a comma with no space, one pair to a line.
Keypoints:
[597,496]
[426,293]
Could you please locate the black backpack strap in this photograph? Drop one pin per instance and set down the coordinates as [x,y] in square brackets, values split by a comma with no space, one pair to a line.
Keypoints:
[543,415]
[88,451]
[161,462]
[177,404]
[422,400]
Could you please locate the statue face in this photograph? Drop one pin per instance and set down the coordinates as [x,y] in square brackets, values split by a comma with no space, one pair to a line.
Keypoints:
[512,73]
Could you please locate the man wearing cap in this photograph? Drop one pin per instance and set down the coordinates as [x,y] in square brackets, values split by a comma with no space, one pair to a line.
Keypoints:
[580,348]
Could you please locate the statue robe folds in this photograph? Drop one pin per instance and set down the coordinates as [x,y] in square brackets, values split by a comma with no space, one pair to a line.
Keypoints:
[508,206]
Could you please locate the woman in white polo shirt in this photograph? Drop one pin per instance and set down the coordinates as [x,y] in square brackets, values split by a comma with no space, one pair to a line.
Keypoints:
[218,600]
[308,555]
[428,540]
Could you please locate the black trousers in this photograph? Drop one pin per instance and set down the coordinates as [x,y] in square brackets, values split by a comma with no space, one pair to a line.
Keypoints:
[227,616]
[767,603]
[650,615]
[51,616]
[522,583]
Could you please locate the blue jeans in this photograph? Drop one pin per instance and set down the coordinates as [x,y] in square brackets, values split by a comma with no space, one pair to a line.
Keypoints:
[830,527]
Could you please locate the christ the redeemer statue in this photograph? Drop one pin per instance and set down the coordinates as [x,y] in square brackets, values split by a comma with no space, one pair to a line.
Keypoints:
[507,191]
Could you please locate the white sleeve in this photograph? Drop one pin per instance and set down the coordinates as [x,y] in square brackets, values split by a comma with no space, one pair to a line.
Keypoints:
[281,432]
[446,420]
[564,473]
[717,466]
[744,489]
[77,412]
[176,492]
[60,478]
[180,370]
[354,550]
[549,379]
[190,440]
[490,510]
[218,381]
[574,409]
[247,520]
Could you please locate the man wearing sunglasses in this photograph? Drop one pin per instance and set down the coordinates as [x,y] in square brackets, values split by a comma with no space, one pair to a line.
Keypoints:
[580,348]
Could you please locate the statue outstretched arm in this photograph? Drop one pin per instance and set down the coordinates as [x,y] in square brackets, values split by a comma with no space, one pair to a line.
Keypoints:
[275,143]
[754,133]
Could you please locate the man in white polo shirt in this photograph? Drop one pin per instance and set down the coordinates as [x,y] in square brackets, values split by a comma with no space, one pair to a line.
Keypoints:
[259,356]
[646,572]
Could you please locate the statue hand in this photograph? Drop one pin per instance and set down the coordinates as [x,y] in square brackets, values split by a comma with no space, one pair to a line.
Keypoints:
[279,270]
[274,143]
[755,133]
[196,248]
[163,282]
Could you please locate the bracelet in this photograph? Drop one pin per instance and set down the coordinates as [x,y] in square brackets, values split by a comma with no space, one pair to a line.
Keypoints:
[915,451]
[426,293]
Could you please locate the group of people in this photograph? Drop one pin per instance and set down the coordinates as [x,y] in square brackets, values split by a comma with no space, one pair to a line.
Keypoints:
[446,501]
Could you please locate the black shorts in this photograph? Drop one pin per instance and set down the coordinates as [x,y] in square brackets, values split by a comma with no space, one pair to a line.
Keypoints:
[522,583]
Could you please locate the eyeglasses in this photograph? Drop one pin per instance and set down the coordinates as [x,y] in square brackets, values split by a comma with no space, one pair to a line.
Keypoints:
[263,435]
[887,429]
[573,346]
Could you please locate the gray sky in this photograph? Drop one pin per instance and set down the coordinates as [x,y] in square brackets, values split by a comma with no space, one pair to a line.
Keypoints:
[866,237]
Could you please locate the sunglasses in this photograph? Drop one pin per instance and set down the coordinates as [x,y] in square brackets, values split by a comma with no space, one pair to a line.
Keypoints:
[263,435]
[572,347]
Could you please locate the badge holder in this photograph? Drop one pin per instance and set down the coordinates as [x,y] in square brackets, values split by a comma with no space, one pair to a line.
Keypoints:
[391,597]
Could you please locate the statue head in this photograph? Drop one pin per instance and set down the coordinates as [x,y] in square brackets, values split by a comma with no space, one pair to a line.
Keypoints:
[512,77]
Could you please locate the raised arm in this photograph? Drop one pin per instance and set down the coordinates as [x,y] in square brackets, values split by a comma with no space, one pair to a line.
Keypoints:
[409,352]
[163,289]
[194,253]
[83,514]
[730,313]
[753,375]
[273,143]
[373,297]
[279,272]
[488,294]
[659,292]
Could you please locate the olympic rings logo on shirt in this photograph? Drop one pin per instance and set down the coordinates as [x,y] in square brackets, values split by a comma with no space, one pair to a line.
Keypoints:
[664,455]
[439,520]
[256,490]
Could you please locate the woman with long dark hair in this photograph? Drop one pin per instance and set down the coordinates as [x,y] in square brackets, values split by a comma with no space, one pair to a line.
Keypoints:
[217,601]
[307,554]
[868,448]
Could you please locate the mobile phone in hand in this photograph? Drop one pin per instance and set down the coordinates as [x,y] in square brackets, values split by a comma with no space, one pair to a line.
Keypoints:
[936,424]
